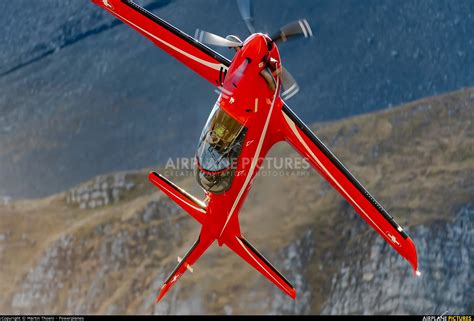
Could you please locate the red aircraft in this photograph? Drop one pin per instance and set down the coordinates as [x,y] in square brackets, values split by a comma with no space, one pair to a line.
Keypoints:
[248,118]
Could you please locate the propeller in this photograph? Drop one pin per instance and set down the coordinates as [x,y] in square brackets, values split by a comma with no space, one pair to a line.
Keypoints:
[289,84]
[236,76]
[246,11]
[239,72]
[296,29]
[215,40]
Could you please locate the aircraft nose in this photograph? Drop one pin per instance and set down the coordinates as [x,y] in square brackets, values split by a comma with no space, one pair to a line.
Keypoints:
[257,46]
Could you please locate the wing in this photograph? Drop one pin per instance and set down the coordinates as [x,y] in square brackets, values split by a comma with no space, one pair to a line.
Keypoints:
[310,146]
[246,251]
[201,59]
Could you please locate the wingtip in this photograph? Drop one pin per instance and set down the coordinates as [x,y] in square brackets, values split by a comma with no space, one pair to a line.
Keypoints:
[412,257]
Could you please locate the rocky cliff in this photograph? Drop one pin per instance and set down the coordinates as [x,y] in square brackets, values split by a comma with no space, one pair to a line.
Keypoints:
[67,254]
[372,281]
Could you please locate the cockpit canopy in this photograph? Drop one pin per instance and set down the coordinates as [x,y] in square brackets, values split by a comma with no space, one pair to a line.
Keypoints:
[218,151]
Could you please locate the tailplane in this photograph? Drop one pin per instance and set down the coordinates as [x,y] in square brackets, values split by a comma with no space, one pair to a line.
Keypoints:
[195,207]
[245,250]
[199,247]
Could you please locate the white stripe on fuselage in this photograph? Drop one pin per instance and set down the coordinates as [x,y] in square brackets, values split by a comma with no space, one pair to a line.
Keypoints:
[212,65]
[296,132]
[254,160]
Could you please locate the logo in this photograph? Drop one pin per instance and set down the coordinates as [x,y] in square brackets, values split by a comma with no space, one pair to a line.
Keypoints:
[393,239]
[444,317]
[249,143]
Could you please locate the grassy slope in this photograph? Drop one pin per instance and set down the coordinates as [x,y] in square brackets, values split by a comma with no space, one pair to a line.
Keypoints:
[417,160]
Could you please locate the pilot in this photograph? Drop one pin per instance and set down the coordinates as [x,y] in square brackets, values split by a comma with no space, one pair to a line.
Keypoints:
[212,138]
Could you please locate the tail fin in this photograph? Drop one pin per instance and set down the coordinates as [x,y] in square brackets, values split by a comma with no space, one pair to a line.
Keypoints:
[189,203]
[184,264]
[245,250]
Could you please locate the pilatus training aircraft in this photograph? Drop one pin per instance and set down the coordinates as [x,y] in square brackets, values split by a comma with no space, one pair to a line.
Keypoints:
[248,118]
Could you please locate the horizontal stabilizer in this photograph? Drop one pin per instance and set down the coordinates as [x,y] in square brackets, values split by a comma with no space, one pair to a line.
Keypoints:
[186,201]
[245,250]
[184,264]
[189,267]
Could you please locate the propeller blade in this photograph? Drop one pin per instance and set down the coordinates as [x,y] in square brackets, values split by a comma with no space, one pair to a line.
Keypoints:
[239,72]
[297,28]
[236,77]
[246,11]
[215,40]
[289,84]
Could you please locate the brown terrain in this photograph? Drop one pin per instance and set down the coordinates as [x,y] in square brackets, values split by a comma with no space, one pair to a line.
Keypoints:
[107,245]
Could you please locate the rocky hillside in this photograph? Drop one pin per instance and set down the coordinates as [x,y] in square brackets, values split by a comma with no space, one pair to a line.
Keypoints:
[369,282]
[107,245]
[83,95]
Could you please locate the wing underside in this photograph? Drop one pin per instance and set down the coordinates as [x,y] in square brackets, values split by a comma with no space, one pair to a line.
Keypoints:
[323,160]
[198,57]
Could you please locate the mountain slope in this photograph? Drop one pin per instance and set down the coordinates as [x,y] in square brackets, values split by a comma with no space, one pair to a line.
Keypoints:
[112,255]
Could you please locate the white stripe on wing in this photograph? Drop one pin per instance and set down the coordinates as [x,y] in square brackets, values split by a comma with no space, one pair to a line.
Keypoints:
[215,66]
[296,132]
